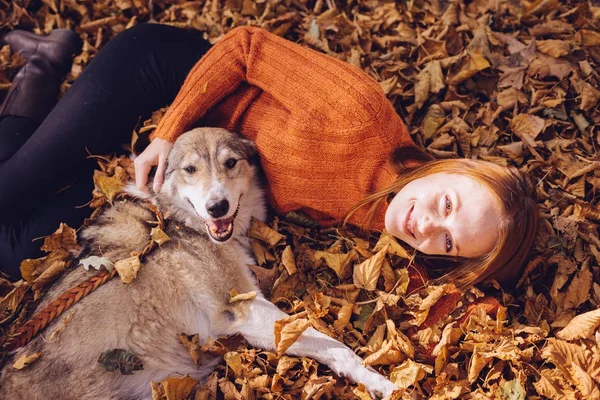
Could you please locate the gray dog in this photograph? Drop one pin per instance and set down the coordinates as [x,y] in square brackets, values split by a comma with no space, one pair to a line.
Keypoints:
[211,191]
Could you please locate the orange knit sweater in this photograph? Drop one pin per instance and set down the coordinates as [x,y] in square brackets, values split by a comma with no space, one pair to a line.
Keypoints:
[324,130]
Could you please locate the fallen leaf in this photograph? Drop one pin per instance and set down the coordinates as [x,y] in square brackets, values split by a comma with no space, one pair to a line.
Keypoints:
[287,331]
[159,236]
[287,259]
[258,230]
[178,388]
[120,359]
[234,296]
[367,273]
[26,360]
[128,268]
[192,345]
[96,263]
[581,327]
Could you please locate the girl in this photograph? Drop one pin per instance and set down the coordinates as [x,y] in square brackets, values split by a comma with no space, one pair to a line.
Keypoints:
[329,140]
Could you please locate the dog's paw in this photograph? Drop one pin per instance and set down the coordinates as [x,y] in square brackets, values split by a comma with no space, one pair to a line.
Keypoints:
[379,386]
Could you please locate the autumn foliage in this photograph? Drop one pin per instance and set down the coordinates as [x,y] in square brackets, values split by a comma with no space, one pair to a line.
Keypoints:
[514,82]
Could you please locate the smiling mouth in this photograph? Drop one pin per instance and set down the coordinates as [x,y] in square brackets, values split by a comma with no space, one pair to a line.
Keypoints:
[221,229]
[408,225]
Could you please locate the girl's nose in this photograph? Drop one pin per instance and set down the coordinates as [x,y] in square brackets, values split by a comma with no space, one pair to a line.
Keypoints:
[428,226]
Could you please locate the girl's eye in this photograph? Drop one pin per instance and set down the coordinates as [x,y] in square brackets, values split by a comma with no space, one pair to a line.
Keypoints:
[448,244]
[190,169]
[448,206]
[230,163]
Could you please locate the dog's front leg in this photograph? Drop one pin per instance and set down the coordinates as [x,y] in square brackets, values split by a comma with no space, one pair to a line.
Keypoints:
[257,327]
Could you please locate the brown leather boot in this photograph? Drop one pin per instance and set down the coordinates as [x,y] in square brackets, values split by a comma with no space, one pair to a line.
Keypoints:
[59,47]
[35,88]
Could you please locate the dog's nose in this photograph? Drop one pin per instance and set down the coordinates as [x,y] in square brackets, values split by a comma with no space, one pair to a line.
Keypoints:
[218,208]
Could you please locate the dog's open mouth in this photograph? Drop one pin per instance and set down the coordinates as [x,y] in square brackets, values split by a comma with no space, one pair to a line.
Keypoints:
[221,229]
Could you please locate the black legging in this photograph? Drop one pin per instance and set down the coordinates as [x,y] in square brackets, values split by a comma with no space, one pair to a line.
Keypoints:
[137,72]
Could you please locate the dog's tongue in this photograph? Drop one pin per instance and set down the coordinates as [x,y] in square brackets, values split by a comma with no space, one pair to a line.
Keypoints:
[220,229]
[222,225]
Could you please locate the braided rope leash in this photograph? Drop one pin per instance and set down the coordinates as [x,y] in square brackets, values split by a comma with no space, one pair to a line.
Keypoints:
[40,320]
[45,316]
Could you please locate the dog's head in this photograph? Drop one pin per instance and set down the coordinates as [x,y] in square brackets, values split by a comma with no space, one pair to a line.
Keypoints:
[212,180]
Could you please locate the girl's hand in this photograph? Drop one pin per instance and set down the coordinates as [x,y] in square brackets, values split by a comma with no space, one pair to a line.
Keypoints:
[155,154]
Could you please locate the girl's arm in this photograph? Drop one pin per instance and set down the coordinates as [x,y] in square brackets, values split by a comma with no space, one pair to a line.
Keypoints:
[294,75]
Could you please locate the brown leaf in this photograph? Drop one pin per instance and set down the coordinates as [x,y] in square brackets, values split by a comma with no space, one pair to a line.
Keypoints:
[192,345]
[287,259]
[26,360]
[128,268]
[553,48]
[110,186]
[287,331]
[527,127]
[159,236]
[178,388]
[258,230]
[341,263]
[234,296]
[588,37]
[64,238]
[581,327]
[475,62]
[367,273]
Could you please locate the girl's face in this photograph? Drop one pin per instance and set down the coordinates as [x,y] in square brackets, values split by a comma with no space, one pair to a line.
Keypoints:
[445,214]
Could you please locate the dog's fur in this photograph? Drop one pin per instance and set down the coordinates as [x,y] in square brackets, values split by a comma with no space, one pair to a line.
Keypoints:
[183,286]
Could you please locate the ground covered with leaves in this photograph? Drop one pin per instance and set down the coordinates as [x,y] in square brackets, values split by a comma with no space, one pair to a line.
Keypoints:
[514,82]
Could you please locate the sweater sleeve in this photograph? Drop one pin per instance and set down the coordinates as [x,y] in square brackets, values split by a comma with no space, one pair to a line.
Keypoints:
[288,72]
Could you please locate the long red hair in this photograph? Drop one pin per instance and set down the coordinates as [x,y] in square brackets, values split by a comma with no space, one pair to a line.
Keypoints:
[516,229]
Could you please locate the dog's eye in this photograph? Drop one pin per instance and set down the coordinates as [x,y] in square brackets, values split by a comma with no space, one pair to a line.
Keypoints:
[190,169]
[230,163]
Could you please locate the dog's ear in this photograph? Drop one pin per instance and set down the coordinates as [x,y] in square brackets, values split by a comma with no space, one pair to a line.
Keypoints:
[249,151]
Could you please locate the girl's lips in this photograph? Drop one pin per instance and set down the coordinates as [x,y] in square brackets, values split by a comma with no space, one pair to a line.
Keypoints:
[407,224]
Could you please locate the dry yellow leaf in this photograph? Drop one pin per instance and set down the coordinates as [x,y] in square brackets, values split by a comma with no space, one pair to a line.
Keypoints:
[344,315]
[318,387]
[361,392]
[287,331]
[553,48]
[258,230]
[385,239]
[234,296]
[110,186]
[581,327]
[477,363]
[178,388]
[26,360]
[31,269]
[341,263]
[159,236]
[367,273]
[192,345]
[64,238]
[476,62]
[584,382]
[234,361]
[388,354]
[407,374]
[588,37]
[128,268]
[287,259]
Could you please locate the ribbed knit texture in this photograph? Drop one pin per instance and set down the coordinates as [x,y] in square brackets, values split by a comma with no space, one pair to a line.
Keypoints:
[323,128]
